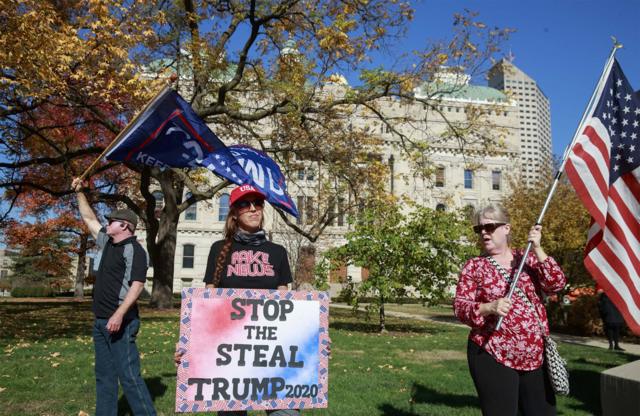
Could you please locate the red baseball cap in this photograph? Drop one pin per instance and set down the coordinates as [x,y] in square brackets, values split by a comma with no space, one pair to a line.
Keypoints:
[244,191]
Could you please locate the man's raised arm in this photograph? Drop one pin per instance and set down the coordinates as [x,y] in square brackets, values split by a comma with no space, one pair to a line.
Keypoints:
[87,214]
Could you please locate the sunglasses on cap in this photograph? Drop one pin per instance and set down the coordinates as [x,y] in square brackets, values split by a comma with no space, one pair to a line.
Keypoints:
[489,228]
[258,203]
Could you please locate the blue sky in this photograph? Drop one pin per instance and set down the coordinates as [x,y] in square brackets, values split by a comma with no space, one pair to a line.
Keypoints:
[562,44]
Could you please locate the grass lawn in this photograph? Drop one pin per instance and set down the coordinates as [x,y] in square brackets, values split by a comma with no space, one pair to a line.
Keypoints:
[417,368]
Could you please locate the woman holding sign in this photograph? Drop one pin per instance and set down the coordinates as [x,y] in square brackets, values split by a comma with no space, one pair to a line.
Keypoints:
[245,259]
[506,364]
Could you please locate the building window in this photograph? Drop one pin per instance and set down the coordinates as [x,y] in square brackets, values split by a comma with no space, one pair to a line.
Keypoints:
[310,210]
[469,211]
[332,211]
[341,208]
[191,213]
[301,174]
[223,207]
[188,251]
[159,197]
[440,177]
[441,207]
[496,179]
[468,179]
[300,207]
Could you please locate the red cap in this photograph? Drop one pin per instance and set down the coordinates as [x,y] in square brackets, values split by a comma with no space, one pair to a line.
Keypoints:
[244,191]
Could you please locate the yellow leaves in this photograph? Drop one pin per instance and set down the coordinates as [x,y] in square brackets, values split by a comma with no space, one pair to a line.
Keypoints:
[83,413]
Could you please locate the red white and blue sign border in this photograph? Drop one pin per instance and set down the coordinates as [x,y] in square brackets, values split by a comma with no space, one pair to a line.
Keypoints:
[183,404]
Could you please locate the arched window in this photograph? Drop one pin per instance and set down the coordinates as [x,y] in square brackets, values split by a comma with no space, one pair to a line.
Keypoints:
[188,253]
[441,207]
[223,208]
[191,213]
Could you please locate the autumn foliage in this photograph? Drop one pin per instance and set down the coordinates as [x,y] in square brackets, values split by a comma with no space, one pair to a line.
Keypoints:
[259,72]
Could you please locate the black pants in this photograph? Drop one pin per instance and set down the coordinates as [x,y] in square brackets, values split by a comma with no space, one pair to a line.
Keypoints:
[613,333]
[503,391]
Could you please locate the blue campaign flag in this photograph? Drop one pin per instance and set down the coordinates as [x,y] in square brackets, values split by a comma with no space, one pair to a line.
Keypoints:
[168,133]
[264,173]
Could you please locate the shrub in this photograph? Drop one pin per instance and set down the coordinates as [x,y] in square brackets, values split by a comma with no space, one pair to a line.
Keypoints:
[32,292]
[581,317]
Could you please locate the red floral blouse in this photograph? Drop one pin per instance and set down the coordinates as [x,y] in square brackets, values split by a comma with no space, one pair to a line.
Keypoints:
[519,343]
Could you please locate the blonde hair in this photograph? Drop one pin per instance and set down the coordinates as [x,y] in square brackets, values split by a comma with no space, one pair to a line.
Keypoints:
[493,212]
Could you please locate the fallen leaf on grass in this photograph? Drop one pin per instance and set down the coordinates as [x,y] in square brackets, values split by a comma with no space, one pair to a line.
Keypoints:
[83,413]
[55,354]
[2,389]
[55,365]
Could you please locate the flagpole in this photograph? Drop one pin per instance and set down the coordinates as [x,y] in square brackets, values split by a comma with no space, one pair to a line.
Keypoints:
[129,126]
[596,94]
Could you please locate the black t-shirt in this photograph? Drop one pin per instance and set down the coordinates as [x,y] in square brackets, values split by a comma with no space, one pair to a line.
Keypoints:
[265,266]
[119,265]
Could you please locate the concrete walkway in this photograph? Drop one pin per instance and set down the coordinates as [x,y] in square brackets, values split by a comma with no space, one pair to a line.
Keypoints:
[597,342]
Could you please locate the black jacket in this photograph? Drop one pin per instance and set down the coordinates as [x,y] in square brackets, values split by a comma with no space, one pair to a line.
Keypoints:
[608,311]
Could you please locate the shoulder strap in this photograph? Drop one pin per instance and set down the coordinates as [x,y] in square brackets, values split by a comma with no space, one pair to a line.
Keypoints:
[517,290]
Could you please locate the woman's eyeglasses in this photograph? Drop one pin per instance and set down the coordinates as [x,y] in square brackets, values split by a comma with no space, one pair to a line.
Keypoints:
[489,228]
[258,203]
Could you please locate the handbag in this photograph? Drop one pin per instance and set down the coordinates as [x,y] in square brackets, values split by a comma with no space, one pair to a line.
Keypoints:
[555,365]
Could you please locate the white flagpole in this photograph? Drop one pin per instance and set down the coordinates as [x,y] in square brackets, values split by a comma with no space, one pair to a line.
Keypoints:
[597,92]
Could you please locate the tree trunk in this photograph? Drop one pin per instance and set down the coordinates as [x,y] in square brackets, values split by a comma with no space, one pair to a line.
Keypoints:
[163,266]
[81,273]
[161,241]
[305,266]
[382,320]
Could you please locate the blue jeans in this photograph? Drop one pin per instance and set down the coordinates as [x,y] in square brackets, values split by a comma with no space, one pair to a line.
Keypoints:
[117,359]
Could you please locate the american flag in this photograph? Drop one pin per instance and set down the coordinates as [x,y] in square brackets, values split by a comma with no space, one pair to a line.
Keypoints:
[604,168]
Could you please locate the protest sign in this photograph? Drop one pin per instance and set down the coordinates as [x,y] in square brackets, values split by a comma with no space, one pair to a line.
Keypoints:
[250,349]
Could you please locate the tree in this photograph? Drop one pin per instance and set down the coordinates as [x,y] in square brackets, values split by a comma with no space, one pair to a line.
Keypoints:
[43,259]
[565,224]
[417,254]
[259,72]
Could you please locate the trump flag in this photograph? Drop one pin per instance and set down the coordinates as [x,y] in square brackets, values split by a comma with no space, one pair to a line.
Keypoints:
[604,168]
[263,173]
[168,133]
